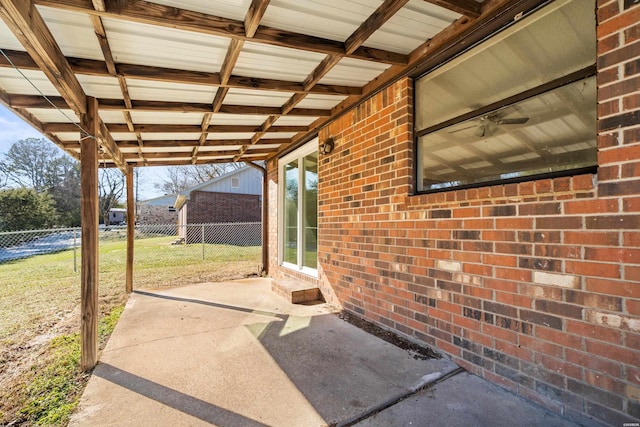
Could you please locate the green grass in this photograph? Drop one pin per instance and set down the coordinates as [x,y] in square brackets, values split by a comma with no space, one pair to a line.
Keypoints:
[53,392]
[39,295]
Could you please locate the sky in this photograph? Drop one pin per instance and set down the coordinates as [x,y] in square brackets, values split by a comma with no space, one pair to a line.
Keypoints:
[13,128]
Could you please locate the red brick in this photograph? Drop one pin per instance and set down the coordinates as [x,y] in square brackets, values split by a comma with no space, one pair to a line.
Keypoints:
[588,330]
[614,353]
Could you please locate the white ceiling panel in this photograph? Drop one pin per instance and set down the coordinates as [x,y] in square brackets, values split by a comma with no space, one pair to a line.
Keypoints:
[167,150]
[100,86]
[212,136]
[329,19]
[47,115]
[26,82]
[273,62]
[260,98]
[183,136]
[230,9]
[210,149]
[7,39]
[353,72]
[321,101]
[159,117]
[237,119]
[73,32]
[135,43]
[162,91]
[416,22]
[295,121]
[110,116]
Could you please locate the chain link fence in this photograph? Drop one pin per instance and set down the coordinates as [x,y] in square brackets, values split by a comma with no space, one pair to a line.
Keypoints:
[172,253]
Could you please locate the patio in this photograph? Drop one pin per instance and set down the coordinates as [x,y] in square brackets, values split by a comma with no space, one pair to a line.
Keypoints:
[236,354]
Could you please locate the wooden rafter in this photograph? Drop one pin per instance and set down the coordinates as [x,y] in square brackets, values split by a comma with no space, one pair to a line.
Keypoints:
[36,101]
[455,38]
[171,17]
[170,75]
[254,15]
[101,34]
[164,128]
[27,25]
[382,14]
[470,8]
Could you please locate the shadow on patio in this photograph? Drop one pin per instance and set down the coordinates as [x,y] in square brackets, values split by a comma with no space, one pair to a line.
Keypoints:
[234,354]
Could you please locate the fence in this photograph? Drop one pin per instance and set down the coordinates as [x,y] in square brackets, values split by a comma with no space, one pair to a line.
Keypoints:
[156,247]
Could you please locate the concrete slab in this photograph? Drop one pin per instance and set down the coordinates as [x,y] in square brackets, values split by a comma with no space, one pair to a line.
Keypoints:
[467,400]
[235,354]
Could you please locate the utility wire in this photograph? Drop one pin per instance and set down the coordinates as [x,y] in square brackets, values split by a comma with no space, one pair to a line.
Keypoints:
[83,132]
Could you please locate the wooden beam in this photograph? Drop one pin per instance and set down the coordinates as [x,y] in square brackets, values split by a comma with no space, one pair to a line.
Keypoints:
[162,128]
[111,147]
[172,17]
[470,8]
[382,14]
[451,41]
[186,154]
[131,219]
[37,101]
[254,15]
[90,249]
[151,144]
[27,25]
[144,72]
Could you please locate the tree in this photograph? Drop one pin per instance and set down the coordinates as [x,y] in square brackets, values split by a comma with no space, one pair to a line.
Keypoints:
[30,163]
[111,186]
[40,165]
[180,178]
[26,209]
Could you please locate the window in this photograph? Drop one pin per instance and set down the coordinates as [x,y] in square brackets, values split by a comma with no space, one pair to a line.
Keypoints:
[235,182]
[298,201]
[519,106]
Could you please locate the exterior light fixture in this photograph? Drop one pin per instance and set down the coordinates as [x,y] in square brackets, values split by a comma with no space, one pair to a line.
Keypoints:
[327,146]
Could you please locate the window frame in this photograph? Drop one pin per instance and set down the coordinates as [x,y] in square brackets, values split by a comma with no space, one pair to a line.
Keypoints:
[572,77]
[299,154]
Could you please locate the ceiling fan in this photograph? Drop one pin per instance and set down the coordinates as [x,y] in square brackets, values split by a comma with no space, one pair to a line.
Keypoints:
[487,125]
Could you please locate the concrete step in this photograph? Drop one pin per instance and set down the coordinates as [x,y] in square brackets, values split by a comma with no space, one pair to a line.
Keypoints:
[296,292]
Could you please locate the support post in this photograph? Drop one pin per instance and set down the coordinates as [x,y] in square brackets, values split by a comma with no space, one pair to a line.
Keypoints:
[131,223]
[89,239]
[265,216]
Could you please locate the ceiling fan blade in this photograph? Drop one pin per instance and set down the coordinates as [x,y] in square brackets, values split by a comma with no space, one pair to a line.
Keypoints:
[513,121]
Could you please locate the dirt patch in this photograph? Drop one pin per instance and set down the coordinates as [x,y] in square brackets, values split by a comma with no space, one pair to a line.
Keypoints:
[415,350]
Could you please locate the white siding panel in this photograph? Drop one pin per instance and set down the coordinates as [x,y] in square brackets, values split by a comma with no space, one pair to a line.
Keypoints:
[273,62]
[73,32]
[143,44]
[162,91]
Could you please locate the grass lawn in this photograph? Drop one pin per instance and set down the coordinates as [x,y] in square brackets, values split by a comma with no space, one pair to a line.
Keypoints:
[39,315]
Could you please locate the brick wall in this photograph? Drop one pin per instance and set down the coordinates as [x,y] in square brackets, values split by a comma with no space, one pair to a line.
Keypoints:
[534,286]
[214,207]
[150,214]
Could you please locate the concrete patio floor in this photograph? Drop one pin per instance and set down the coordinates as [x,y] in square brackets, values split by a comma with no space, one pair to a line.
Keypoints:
[235,354]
